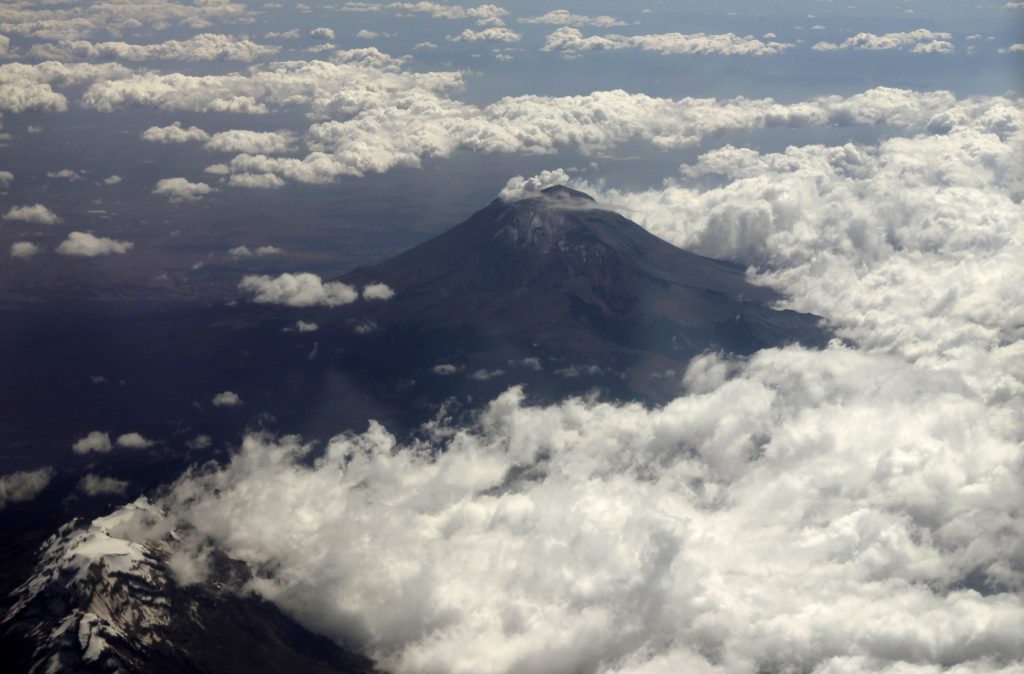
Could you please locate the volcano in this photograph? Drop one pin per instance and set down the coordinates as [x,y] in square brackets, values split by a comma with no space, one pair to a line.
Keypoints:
[556,281]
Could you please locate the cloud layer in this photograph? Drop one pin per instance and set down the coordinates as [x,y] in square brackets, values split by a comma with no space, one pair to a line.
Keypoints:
[850,509]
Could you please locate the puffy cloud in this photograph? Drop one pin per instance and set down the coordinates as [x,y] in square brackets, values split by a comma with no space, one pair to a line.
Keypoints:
[180,189]
[36,214]
[563,17]
[484,14]
[200,442]
[50,21]
[911,247]
[920,41]
[292,34]
[203,47]
[355,79]
[378,291]
[372,115]
[571,42]
[98,485]
[112,180]
[298,290]
[326,33]
[852,509]
[64,174]
[260,251]
[519,187]
[226,399]
[486,35]
[252,142]
[6,178]
[264,181]
[174,133]
[812,509]
[133,441]
[96,441]
[23,485]
[25,87]
[382,117]
[84,244]
[304,326]
[485,375]
[24,249]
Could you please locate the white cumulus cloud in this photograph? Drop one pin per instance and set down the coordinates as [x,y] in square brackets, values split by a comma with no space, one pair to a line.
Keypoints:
[378,291]
[297,290]
[37,214]
[23,485]
[96,441]
[181,189]
[226,399]
[84,244]
[24,249]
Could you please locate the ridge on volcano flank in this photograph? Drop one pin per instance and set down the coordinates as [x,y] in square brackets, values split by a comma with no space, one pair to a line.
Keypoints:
[556,275]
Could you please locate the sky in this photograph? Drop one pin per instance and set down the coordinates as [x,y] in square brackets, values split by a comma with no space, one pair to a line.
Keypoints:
[858,508]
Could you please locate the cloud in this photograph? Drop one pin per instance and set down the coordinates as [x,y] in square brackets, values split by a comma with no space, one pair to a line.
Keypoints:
[25,87]
[519,187]
[370,115]
[303,326]
[353,79]
[174,133]
[907,248]
[260,251]
[486,35]
[445,369]
[920,41]
[325,33]
[98,485]
[180,189]
[96,441]
[378,291]
[36,214]
[202,47]
[484,14]
[264,181]
[563,17]
[850,509]
[6,178]
[233,140]
[112,180]
[226,399]
[200,442]
[24,249]
[570,41]
[298,290]
[84,244]
[485,375]
[23,485]
[133,441]
[64,174]
[49,21]
[741,526]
